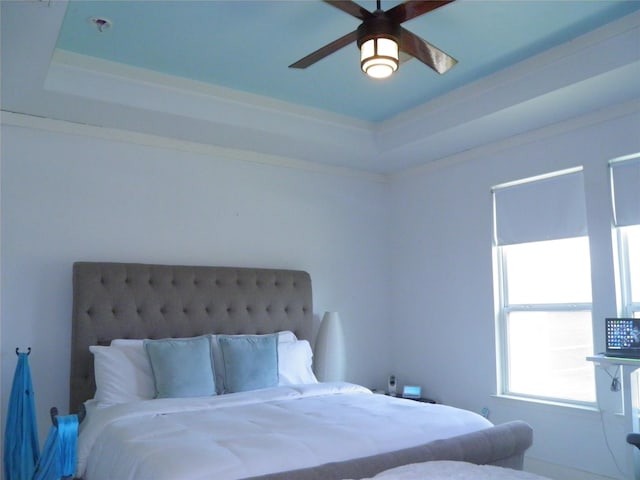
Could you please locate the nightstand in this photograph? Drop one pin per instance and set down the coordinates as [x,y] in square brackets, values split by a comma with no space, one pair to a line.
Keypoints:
[421,399]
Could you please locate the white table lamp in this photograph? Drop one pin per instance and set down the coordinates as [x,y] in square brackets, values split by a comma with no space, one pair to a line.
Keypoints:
[329,355]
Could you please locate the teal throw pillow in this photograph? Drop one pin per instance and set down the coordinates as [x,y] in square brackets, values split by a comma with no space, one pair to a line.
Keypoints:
[181,367]
[250,361]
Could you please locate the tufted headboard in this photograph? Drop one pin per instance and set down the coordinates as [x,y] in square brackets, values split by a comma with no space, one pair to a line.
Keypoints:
[130,300]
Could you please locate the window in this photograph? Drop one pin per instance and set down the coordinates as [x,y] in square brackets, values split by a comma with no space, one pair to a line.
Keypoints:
[629,270]
[625,183]
[546,320]
[625,187]
[543,281]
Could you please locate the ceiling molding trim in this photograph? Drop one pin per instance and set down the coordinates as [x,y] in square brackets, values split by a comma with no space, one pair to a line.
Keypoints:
[219,153]
[600,116]
[78,63]
[288,131]
[518,83]
[574,101]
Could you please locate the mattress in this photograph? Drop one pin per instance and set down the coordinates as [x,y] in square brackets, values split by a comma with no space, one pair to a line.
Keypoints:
[253,433]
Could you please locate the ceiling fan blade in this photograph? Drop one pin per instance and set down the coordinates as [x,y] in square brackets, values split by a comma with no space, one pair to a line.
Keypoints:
[404,57]
[412,9]
[352,8]
[425,52]
[326,50]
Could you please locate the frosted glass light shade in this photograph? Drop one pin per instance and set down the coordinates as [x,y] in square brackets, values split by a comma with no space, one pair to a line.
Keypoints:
[329,355]
[379,57]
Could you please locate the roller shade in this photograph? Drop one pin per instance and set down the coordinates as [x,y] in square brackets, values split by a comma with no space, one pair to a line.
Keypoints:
[625,187]
[544,208]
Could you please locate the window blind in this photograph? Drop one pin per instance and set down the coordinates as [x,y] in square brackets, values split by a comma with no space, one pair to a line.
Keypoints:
[625,187]
[544,208]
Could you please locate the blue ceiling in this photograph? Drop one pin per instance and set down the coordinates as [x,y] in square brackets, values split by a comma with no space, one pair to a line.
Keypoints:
[248,45]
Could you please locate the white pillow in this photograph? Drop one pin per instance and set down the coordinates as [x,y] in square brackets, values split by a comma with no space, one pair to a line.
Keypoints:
[287,336]
[295,363]
[134,342]
[123,374]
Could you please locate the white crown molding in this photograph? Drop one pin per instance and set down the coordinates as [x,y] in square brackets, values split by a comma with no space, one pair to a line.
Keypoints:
[553,87]
[604,115]
[231,154]
[547,89]
[77,74]
[193,111]
[519,71]
[62,126]
[603,50]
[86,68]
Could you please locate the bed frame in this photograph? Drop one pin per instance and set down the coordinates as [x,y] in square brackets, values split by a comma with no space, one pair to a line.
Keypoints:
[130,300]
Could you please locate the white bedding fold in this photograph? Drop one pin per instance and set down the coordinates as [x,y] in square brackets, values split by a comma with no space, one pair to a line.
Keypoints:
[252,433]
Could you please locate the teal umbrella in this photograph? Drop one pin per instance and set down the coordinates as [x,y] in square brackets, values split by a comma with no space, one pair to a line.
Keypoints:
[21,449]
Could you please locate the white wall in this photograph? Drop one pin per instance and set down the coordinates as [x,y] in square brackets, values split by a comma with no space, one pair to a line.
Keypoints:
[443,310]
[68,197]
[411,262]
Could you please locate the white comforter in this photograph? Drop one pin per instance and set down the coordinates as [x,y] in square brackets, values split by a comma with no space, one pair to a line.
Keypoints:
[252,433]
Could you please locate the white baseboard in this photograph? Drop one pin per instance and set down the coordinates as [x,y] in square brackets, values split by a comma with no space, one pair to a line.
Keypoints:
[559,472]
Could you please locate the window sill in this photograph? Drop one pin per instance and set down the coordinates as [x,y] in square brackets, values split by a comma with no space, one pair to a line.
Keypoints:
[573,407]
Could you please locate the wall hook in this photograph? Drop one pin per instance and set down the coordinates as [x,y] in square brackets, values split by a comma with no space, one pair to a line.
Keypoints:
[28,351]
[53,413]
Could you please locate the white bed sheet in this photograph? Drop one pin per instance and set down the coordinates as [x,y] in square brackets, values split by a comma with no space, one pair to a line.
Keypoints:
[253,433]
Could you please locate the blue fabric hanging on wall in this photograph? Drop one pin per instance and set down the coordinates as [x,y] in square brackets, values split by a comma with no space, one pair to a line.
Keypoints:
[21,448]
[59,454]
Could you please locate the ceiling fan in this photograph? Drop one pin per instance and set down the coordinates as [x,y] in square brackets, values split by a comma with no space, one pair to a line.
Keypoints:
[381,38]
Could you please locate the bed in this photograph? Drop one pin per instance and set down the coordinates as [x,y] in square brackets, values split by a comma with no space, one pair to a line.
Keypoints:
[235,418]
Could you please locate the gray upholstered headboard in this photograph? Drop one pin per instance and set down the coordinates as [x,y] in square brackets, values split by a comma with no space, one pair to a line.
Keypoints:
[127,300]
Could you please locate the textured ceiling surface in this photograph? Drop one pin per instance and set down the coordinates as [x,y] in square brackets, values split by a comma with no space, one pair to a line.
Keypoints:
[211,75]
[248,45]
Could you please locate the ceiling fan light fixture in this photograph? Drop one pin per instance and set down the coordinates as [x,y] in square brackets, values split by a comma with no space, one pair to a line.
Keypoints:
[379,46]
[380,37]
[379,57]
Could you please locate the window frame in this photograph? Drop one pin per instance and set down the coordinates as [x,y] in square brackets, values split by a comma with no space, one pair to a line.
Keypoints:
[628,308]
[502,314]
